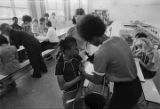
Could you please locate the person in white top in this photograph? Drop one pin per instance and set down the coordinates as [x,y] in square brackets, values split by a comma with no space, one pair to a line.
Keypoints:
[51,39]
[53,20]
[35,27]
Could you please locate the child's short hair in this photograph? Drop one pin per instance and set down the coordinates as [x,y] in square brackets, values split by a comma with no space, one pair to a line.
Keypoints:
[49,24]
[3,40]
[91,26]
[67,43]
[14,18]
[26,18]
[80,11]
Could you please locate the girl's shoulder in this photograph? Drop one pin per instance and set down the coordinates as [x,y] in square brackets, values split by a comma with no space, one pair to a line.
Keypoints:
[77,57]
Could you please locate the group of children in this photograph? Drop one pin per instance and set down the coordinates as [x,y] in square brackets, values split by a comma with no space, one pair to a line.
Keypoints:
[33,25]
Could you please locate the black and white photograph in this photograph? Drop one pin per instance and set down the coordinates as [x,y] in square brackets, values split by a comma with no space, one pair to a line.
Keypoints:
[79,54]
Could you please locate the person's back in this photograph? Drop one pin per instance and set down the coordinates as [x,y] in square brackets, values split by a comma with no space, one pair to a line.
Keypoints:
[121,63]
[23,38]
[9,63]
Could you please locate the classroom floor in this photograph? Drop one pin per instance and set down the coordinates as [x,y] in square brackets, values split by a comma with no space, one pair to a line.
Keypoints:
[34,93]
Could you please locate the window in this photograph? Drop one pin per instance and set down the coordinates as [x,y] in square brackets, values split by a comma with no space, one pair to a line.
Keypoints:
[6,3]
[74,4]
[56,6]
[11,8]
[6,13]
[51,4]
[21,4]
[21,12]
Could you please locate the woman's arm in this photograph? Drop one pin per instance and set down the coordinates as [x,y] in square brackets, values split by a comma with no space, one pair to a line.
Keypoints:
[93,78]
[65,85]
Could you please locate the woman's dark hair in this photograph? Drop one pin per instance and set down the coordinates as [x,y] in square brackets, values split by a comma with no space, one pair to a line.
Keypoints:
[141,35]
[91,26]
[3,40]
[26,18]
[74,20]
[67,43]
[80,11]
[49,24]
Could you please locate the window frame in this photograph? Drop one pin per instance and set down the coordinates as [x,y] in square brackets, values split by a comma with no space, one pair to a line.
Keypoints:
[13,7]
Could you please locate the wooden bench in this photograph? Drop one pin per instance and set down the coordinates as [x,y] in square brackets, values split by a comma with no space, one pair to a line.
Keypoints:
[149,88]
[5,81]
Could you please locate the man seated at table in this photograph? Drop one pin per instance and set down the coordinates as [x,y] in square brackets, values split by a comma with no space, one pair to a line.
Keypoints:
[51,40]
[15,24]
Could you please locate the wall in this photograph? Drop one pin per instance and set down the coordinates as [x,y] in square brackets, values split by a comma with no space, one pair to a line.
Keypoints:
[123,11]
[126,10]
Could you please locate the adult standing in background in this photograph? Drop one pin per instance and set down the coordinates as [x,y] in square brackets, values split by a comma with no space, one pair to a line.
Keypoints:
[42,28]
[46,17]
[15,25]
[79,14]
[114,61]
[53,20]
[31,45]
[35,27]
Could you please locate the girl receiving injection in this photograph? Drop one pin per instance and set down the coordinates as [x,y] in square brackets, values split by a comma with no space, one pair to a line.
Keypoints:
[67,72]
